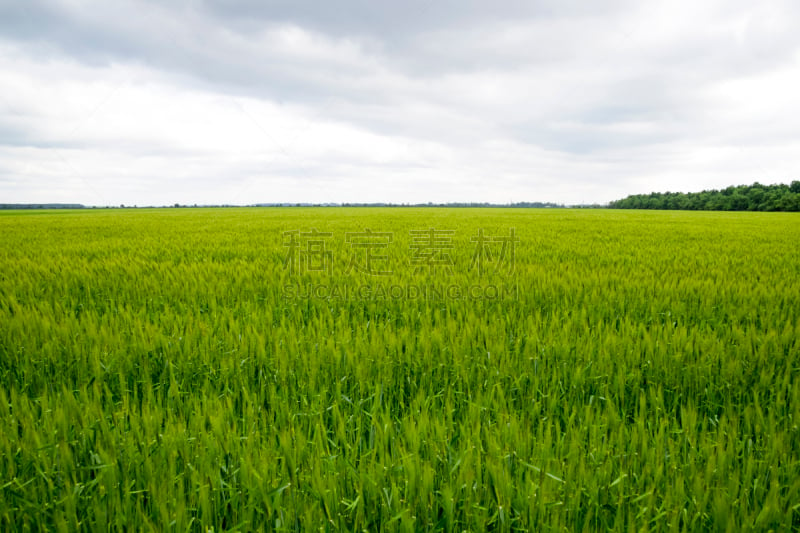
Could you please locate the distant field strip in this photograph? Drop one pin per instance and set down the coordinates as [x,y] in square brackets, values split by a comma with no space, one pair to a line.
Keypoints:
[424,369]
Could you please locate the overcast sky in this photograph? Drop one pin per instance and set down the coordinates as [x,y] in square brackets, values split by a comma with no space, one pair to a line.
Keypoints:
[239,102]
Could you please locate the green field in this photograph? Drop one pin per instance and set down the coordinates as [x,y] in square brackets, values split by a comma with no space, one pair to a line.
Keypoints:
[572,370]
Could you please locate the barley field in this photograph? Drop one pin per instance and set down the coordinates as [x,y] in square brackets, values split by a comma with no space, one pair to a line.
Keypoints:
[420,369]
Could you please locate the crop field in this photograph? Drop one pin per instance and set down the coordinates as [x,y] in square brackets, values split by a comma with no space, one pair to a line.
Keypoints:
[419,369]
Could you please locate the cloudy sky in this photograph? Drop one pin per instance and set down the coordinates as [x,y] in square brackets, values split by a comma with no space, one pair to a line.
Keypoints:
[152,103]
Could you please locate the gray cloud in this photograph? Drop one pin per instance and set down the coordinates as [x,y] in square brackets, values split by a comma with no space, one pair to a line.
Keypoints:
[283,93]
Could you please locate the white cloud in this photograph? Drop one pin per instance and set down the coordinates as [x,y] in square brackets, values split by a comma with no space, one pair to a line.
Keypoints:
[561,105]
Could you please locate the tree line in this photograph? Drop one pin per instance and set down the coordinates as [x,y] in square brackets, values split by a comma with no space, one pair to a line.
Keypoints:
[755,197]
[42,206]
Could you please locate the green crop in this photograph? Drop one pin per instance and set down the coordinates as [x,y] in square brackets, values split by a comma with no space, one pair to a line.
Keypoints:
[225,369]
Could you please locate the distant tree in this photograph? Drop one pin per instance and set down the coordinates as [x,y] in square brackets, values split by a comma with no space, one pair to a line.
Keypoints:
[789,202]
[755,197]
[739,202]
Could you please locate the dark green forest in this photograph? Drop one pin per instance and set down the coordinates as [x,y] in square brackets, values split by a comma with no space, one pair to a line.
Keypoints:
[755,197]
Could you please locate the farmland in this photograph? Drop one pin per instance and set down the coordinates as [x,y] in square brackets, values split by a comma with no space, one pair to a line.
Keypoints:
[451,369]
